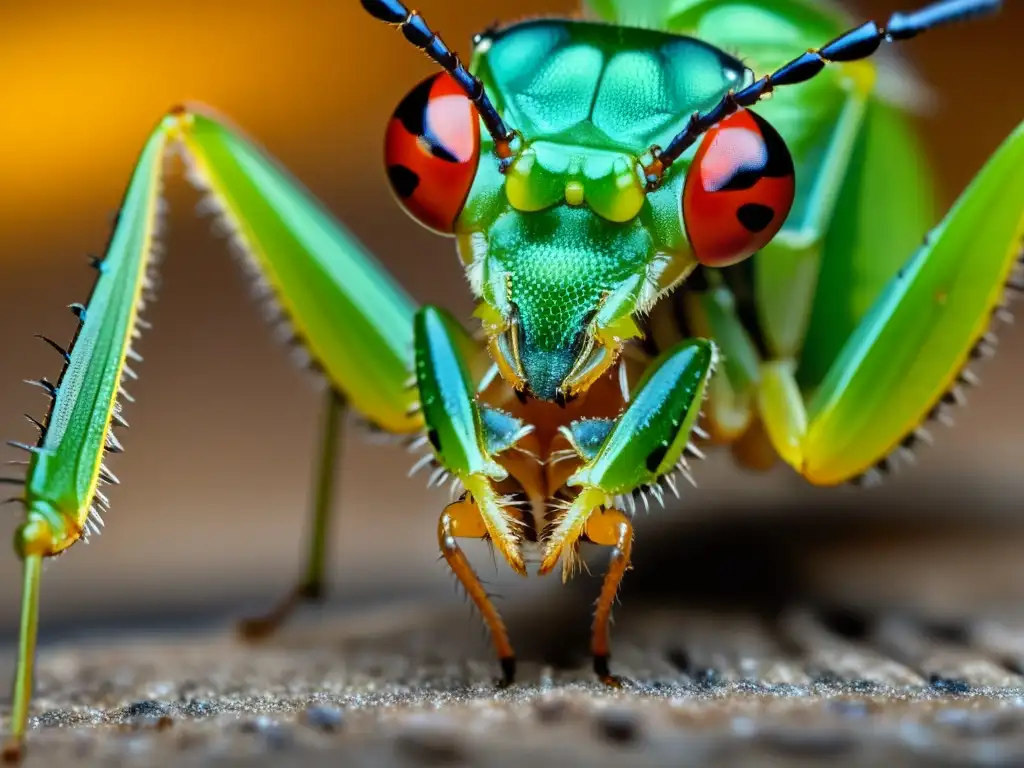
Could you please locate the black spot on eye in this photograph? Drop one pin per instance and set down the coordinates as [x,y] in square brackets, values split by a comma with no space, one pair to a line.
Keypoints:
[435,439]
[413,110]
[413,114]
[440,152]
[655,457]
[403,180]
[780,162]
[744,179]
[755,216]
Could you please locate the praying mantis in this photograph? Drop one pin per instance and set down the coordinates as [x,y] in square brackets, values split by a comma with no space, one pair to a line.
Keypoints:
[662,255]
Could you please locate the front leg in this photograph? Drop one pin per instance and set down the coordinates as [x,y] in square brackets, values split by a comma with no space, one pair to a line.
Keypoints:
[609,528]
[638,451]
[466,437]
[462,520]
[464,442]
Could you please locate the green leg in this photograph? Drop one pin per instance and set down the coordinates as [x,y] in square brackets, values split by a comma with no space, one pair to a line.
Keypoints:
[342,306]
[23,680]
[326,484]
[311,586]
[908,357]
[636,452]
[344,309]
[466,437]
[339,303]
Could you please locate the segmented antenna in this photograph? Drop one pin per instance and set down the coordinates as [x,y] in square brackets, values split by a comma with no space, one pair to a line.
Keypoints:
[858,43]
[416,31]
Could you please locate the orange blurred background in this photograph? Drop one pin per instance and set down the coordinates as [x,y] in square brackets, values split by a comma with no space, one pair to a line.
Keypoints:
[213,510]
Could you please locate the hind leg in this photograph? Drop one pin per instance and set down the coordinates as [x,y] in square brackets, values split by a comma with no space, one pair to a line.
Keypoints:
[310,587]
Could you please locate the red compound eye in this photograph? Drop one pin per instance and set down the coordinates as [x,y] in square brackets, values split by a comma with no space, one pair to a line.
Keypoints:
[738,191]
[431,151]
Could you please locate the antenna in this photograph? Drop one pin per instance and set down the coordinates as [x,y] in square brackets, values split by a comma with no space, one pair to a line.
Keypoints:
[858,43]
[423,37]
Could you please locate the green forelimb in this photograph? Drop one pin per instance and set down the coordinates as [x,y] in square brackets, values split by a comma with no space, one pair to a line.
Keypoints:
[636,452]
[908,357]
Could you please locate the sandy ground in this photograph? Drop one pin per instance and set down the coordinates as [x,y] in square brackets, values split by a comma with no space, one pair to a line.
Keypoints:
[912,659]
[403,688]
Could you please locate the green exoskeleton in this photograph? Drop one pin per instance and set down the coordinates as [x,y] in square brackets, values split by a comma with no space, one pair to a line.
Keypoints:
[606,181]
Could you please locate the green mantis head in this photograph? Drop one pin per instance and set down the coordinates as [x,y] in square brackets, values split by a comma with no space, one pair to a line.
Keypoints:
[565,235]
[561,259]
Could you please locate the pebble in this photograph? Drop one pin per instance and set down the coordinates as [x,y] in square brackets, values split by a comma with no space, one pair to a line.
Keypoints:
[147,708]
[949,684]
[150,722]
[852,708]
[323,718]
[259,724]
[276,735]
[618,726]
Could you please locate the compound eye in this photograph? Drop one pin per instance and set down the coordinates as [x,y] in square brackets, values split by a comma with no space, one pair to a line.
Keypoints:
[431,151]
[738,191]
